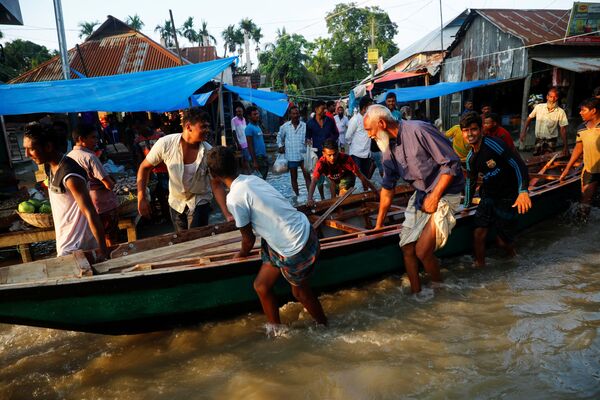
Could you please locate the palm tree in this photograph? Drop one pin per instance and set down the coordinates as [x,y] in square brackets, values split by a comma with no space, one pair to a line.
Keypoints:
[134,22]
[166,33]
[248,28]
[204,36]
[230,38]
[87,28]
[188,31]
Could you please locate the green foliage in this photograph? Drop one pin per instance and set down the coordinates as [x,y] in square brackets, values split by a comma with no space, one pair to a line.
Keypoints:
[204,36]
[87,28]
[232,38]
[134,22]
[188,31]
[21,56]
[166,33]
[343,56]
[284,62]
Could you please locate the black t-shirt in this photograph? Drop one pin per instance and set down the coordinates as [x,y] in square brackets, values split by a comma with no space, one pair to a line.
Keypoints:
[66,167]
[504,174]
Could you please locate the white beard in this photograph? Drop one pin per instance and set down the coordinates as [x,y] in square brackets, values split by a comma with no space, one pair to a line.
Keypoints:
[383,140]
[552,106]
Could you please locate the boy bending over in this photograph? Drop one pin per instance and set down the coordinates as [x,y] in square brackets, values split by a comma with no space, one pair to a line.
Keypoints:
[289,244]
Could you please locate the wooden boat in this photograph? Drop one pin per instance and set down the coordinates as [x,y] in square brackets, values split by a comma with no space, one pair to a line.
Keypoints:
[170,280]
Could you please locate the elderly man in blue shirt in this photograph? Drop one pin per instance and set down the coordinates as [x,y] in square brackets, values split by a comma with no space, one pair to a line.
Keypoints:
[417,153]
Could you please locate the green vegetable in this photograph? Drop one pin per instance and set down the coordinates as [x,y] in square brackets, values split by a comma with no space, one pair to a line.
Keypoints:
[26,207]
[36,203]
[45,208]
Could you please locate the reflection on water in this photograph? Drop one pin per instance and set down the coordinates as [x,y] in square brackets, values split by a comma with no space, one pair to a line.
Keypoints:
[522,328]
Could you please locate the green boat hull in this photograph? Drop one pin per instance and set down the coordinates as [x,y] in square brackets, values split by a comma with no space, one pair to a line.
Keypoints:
[133,302]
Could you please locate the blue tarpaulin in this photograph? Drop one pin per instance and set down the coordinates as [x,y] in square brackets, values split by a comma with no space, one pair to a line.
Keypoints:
[416,93]
[198,100]
[201,99]
[274,102]
[163,89]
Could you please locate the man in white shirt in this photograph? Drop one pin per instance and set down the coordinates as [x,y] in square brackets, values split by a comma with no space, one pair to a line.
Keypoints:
[357,139]
[238,125]
[341,122]
[191,189]
[289,244]
[549,119]
[291,142]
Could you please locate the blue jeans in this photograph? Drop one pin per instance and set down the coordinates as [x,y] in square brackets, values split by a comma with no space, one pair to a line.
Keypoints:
[186,220]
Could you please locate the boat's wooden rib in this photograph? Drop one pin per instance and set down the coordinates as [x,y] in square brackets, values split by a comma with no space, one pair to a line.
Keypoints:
[179,250]
[170,239]
[342,226]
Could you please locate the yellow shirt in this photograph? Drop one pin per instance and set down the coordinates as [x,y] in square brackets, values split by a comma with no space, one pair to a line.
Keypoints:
[461,148]
[590,139]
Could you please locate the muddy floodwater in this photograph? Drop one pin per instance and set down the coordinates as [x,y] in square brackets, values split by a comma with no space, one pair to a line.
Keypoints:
[526,328]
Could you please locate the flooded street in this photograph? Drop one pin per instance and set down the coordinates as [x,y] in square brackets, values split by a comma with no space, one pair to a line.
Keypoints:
[526,328]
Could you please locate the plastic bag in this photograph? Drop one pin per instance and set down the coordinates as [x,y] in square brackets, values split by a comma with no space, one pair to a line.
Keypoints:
[281,164]
[310,158]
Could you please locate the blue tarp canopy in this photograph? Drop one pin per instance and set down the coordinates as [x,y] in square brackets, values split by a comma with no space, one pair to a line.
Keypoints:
[198,100]
[416,93]
[163,89]
[274,102]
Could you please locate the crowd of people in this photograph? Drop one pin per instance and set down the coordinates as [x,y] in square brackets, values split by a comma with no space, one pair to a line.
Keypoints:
[191,174]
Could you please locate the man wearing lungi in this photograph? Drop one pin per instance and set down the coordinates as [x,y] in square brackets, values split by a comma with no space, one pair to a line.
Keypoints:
[416,152]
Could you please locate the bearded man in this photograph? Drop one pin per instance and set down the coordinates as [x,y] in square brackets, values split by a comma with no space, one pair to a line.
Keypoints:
[549,119]
[416,152]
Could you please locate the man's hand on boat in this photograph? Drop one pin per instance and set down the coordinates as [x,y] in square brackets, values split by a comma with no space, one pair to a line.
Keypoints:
[523,203]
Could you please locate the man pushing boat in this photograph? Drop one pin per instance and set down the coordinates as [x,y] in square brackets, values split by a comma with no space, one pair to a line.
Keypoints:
[416,152]
[289,245]
[503,191]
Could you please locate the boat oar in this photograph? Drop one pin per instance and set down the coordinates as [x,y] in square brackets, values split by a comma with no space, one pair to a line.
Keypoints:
[333,207]
[542,171]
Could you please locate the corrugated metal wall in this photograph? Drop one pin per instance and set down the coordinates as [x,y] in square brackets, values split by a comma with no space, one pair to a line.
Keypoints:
[481,54]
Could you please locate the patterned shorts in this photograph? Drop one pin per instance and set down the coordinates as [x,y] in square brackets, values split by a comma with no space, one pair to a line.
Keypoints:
[543,146]
[297,268]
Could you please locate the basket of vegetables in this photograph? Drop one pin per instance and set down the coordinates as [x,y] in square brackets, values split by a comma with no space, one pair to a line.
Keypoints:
[127,204]
[37,213]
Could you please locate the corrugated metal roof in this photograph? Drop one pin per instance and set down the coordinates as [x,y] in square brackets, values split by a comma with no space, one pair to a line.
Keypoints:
[531,26]
[107,55]
[429,43]
[575,64]
[199,54]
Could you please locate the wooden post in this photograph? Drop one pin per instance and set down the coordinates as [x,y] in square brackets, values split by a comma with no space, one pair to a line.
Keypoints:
[427,104]
[524,109]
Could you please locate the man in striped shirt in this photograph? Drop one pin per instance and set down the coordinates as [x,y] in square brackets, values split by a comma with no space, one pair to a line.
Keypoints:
[503,192]
[292,142]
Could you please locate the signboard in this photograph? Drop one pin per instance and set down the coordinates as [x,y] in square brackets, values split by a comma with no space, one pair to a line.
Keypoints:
[585,18]
[372,56]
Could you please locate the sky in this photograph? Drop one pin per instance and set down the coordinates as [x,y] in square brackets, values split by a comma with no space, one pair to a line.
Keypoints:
[415,18]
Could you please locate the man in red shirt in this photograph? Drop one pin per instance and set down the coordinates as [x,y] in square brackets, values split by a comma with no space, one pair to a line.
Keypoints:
[340,169]
[492,128]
